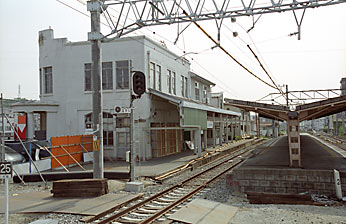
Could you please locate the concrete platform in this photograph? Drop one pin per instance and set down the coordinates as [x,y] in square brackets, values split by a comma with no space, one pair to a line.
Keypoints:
[43,202]
[315,155]
[268,171]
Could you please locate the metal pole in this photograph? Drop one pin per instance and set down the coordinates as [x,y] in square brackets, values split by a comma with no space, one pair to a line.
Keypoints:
[287,95]
[95,9]
[132,148]
[6,200]
[3,130]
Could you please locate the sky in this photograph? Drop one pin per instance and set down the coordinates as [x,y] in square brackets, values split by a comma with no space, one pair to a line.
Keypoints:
[317,61]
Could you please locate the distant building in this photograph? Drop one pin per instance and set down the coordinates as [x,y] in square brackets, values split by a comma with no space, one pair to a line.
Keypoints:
[176,107]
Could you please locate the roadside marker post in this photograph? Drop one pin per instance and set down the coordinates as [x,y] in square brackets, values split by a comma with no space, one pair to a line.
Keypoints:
[6,173]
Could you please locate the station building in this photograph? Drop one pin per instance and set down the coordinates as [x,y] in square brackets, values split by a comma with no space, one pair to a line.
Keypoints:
[177,108]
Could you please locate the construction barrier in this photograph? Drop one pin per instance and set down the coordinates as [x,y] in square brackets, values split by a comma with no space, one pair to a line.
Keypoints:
[69,149]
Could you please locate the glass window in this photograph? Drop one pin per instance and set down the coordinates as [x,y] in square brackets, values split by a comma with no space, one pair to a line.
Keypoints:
[123,122]
[197,91]
[186,88]
[158,73]
[122,74]
[173,83]
[48,80]
[40,81]
[182,85]
[169,80]
[107,76]
[123,138]
[152,74]
[87,77]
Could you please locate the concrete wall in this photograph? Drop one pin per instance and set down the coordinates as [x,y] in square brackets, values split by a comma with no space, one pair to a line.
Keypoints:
[290,181]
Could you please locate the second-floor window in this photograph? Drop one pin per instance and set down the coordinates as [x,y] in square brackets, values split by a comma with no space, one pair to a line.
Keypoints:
[48,80]
[186,88]
[122,74]
[182,86]
[197,91]
[205,93]
[174,83]
[152,74]
[107,76]
[87,77]
[158,74]
[169,80]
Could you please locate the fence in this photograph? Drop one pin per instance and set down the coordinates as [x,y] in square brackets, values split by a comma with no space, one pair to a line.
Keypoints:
[69,149]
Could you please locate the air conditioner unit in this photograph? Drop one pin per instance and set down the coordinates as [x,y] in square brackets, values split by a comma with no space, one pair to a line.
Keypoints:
[121,110]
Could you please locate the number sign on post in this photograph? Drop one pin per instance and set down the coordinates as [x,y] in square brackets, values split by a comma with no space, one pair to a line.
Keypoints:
[5,170]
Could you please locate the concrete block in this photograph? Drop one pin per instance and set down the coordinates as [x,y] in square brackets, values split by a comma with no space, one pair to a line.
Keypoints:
[254,183]
[134,186]
[270,189]
[279,177]
[302,178]
[259,177]
[329,186]
[291,191]
[325,179]
[291,178]
[274,183]
[244,183]
[313,191]
[280,190]
[269,177]
[250,189]
[320,186]
[249,176]
[259,189]
[265,183]
[313,178]
[285,184]
[296,184]
[308,185]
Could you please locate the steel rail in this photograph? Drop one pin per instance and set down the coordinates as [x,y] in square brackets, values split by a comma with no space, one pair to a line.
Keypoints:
[174,204]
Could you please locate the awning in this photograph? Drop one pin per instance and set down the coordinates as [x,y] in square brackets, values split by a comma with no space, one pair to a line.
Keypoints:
[191,104]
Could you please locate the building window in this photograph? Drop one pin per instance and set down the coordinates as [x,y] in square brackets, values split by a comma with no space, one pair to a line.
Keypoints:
[186,88]
[123,139]
[123,122]
[174,83]
[48,80]
[152,74]
[205,93]
[40,81]
[87,77]
[107,76]
[158,73]
[122,74]
[169,80]
[182,86]
[108,139]
[197,91]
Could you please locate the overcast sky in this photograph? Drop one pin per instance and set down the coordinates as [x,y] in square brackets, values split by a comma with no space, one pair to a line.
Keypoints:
[317,61]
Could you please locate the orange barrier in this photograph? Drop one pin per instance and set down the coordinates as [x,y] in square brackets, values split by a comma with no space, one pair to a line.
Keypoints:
[65,147]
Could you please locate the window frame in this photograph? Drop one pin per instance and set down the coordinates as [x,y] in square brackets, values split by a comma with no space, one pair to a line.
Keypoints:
[124,83]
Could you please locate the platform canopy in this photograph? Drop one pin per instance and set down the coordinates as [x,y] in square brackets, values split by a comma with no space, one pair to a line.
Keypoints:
[303,112]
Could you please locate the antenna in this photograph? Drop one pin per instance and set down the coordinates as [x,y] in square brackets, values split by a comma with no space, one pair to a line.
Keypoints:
[19,92]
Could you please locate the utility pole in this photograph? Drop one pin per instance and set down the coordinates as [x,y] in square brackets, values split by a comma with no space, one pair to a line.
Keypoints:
[94,6]
[287,96]
[3,130]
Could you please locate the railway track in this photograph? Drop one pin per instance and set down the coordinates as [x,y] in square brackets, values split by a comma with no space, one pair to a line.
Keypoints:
[335,140]
[159,206]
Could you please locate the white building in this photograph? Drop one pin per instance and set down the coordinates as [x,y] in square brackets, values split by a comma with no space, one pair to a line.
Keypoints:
[173,110]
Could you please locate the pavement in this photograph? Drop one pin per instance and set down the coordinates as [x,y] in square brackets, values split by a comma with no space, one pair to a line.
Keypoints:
[157,166]
[315,155]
